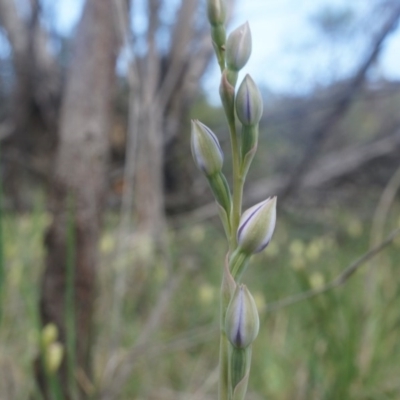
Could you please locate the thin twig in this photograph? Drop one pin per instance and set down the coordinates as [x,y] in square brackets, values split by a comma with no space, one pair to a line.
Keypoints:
[342,105]
[372,282]
[123,369]
[340,280]
[332,167]
[151,349]
[386,201]
[129,169]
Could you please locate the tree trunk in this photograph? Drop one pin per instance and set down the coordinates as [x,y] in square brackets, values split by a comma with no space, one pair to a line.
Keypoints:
[77,195]
[149,191]
[168,83]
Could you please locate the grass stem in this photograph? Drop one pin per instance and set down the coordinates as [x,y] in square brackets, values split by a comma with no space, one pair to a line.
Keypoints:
[70,296]
[2,272]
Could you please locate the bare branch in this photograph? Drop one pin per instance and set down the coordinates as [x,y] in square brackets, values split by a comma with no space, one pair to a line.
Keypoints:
[342,104]
[386,201]
[122,369]
[153,349]
[340,280]
[333,166]
[179,54]
[14,26]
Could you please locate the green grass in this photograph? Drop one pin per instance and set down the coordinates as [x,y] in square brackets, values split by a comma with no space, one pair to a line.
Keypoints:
[341,345]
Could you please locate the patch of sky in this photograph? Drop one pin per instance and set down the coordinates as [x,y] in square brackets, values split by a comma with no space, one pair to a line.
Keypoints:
[291,55]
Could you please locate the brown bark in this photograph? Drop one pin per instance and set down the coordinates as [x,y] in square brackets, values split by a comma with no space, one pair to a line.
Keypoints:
[80,173]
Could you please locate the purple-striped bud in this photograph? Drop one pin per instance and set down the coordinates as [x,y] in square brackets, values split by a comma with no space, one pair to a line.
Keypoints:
[206,150]
[242,322]
[249,104]
[256,226]
[238,47]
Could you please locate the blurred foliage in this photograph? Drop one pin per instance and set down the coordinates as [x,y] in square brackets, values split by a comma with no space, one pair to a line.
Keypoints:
[340,345]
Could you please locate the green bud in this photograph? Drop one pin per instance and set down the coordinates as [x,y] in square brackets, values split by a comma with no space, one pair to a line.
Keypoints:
[208,157]
[256,227]
[238,47]
[249,104]
[216,12]
[242,322]
[48,335]
[206,150]
[53,357]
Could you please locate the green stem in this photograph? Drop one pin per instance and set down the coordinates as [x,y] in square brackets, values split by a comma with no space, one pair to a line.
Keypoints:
[238,182]
[223,389]
[70,295]
[238,264]
[227,288]
[53,384]
[236,210]
[2,273]
[52,381]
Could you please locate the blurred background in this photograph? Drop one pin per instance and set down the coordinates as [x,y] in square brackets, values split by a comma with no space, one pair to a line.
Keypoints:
[111,251]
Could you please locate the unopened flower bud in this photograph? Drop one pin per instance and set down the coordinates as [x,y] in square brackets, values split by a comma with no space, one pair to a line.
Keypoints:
[242,322]
[249,105]
[49,334]
[216,12]
[206,150]
[53,357]
[238,47]
[256,226]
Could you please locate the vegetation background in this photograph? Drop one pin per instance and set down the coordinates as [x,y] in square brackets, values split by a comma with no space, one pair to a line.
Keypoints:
[109,232]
